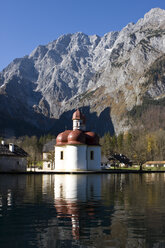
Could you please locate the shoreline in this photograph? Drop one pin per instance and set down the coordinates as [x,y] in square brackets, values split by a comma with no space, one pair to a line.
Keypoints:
[116,171]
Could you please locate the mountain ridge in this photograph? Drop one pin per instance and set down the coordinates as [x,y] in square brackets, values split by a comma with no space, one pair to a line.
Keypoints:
[78,70]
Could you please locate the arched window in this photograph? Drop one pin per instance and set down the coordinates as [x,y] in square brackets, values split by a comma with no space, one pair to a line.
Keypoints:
[92,155]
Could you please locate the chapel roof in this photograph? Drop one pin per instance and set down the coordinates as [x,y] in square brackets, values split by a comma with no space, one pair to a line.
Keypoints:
[77,137]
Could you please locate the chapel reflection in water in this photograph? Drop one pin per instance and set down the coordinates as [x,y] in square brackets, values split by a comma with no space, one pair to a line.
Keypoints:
[116,210]
[75,196]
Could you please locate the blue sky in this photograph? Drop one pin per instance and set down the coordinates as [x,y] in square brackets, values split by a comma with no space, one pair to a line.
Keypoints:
[25,24]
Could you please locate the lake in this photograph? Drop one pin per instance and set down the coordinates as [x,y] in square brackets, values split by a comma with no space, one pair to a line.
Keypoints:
[104,210]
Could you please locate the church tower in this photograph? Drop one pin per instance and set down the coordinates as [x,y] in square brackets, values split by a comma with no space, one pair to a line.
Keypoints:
[78,120]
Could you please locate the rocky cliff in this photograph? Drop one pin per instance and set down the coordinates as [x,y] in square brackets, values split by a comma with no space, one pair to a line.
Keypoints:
[107,76]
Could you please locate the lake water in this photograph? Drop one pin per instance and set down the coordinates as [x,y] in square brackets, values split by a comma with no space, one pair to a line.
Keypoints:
[107,210]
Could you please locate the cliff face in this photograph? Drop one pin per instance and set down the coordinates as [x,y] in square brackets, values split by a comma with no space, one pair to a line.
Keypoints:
[111,74]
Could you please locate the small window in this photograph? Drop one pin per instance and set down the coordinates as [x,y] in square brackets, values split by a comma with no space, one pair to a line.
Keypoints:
[62,155]
[92,155]
[48,165]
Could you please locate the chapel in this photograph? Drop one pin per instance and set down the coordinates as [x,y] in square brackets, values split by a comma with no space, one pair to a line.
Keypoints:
[77,149]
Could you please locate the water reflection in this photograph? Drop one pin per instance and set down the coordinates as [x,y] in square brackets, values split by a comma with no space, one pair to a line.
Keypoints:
[72,192]
[116,210]
[8,183]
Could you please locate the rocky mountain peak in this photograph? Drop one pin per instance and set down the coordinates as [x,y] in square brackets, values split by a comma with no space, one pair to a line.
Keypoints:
[99,73]
[155,14]
[155,18]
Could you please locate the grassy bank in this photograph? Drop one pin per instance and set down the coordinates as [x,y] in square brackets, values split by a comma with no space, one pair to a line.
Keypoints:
[137,168]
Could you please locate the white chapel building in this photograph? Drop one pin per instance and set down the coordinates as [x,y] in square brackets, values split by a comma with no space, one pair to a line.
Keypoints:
[77,149]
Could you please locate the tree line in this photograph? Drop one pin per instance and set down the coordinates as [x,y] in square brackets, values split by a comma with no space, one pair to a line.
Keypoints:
[139,146]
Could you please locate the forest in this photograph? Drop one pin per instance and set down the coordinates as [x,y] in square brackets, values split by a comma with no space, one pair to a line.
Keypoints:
[139,145]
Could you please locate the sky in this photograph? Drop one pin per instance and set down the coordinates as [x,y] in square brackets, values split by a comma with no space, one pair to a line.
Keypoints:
[25,24]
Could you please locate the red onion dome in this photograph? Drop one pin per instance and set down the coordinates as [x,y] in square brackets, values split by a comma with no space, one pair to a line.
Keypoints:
[76,137]
[62,138]
[77,115]
[92,138]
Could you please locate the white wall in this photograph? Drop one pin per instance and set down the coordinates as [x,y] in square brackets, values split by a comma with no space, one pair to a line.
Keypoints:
[12,164]
[45,155]
[48,165]
[96,162]
[76,157]
[60,163]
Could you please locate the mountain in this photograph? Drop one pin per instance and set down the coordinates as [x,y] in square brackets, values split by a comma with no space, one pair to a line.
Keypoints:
[115,78]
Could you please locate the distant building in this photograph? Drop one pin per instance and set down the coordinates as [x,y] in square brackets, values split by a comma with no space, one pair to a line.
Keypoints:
[155,164]
[105,164]
[48,155]
[12,158]
[77,149]
[119,160]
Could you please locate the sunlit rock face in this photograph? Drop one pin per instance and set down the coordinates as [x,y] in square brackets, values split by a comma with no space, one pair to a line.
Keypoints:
[96,72]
